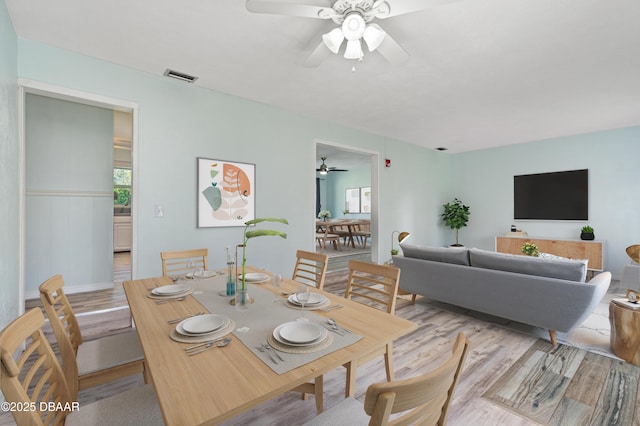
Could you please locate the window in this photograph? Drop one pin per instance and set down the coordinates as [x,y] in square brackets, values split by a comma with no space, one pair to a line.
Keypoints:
[121,186]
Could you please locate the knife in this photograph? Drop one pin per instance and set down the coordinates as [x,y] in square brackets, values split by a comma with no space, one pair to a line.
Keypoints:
[203,344]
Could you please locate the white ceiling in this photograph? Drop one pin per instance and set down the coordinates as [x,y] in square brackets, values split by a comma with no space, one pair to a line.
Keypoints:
[481,73]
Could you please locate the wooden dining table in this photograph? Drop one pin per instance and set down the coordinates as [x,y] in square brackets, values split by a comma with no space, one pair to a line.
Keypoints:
[221,383]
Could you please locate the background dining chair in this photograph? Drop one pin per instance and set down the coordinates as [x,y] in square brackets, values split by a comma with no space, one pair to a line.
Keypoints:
[175,262]
[93,362]
[36,380]
[310,268]
[423,400]
[325,236]
[376,286]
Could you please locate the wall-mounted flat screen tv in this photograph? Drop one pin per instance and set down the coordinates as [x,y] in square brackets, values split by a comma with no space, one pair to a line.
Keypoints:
[552,196]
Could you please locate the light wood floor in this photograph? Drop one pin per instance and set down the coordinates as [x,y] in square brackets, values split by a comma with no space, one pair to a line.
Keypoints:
[494,349]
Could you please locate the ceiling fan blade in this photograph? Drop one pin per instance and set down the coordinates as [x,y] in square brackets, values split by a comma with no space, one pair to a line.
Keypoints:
[292,9]
[392,51]
[319,54]
[386,9]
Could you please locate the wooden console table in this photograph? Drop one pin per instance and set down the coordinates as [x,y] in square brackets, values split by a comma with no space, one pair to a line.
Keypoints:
[625,332]
[573,249]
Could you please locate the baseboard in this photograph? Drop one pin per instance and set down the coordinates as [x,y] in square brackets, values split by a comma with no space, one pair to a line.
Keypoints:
[34,294]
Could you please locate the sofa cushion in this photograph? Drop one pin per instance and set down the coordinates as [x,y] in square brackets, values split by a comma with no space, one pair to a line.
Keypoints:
[572,270]
[455,255]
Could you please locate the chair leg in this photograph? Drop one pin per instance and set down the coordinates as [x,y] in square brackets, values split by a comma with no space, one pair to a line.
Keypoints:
[388,362]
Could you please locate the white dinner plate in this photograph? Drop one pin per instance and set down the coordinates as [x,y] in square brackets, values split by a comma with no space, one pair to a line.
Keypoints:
[300,332]
[255,277]
[170,290]
[202,324]
[314,299]
[280,339]
[205,274]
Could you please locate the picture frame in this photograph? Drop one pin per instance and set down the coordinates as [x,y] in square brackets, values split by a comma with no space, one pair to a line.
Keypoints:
[352,200]
[365,199]
[225,193]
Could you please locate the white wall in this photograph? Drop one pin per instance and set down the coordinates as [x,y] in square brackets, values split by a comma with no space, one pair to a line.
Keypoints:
[179,122]
[338,182]
[9,159]
[484,181]
[69,194]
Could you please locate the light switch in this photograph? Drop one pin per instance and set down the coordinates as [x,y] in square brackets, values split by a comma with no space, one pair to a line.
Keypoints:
[158,211]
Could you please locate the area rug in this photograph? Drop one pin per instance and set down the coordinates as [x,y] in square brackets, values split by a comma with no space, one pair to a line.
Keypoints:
[544,385]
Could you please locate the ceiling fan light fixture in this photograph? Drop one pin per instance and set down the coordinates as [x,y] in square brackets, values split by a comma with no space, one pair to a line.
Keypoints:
[333,39]
[354,50]
[353,26]
[373,36]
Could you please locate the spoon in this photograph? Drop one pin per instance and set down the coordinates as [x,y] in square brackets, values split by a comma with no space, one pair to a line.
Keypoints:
[335,325]
[220,344]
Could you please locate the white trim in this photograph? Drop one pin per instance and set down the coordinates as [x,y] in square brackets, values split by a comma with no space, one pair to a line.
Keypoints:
[375,187]
[86,98]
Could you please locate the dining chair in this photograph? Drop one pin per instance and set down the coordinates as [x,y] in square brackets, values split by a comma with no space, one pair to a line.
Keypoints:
[362,232]
[324,236]
[175,262]
[424,399]
[376,286]
[94,362]
[32,377]
[310,269]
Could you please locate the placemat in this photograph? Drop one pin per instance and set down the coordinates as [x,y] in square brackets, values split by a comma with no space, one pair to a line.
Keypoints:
[204,338]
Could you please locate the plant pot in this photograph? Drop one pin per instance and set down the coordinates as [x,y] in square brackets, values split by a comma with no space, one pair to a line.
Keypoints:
[587,236]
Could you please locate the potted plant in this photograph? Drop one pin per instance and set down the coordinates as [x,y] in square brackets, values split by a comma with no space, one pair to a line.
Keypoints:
[257,233]
[455,216]
[324,214]
[530,249]
[587,233]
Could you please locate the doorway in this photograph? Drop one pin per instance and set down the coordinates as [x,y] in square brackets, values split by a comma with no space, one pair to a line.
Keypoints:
[348,191]
[69,195]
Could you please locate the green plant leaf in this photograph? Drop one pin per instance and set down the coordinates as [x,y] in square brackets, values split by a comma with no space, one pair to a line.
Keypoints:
[264,233]
[266,219]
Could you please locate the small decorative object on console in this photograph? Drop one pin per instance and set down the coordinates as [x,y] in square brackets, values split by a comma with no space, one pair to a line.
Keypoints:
[587,233]
[633,296]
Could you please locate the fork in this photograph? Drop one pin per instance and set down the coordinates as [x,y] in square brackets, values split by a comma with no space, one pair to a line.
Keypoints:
[268,347]
[262,349]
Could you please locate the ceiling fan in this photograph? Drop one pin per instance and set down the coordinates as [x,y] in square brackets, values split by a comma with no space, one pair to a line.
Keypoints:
[354,19]
[324,169]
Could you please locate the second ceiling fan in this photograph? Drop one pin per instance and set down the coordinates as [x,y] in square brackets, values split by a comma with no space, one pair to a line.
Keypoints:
[354,19]
[324,169]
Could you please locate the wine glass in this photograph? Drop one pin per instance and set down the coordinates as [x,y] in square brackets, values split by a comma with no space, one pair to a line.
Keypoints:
[302,294]
[276,281]
[191,266]
[242,302]
[198,274]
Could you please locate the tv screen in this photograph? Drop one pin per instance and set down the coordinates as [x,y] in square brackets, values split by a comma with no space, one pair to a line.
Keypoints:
[552,196]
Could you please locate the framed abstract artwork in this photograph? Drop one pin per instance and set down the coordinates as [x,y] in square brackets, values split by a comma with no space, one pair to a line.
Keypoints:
[226,193]
[365,200]
[352,200]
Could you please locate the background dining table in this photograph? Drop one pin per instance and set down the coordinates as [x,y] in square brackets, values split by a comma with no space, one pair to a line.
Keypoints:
[220,383]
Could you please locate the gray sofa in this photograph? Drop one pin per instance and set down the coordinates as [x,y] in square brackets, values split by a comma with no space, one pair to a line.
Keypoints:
[551,294]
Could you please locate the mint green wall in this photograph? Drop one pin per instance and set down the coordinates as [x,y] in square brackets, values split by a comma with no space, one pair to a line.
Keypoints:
[9,192]
[484,181]
[179,122]
[338,182]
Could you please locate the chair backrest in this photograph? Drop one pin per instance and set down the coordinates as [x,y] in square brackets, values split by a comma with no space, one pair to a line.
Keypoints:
[424,399]
[65,327]
[34,378]
[374,285]
[310,268]
[175,262]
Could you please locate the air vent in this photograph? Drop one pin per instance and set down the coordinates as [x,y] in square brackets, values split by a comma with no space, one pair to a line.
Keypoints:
[441,148]
[180,76]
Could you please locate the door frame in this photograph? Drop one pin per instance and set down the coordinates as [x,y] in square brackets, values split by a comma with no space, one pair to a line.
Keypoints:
[26,86]
[375,199]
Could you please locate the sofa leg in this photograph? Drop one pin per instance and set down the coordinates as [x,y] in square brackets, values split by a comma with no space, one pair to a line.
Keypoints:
[552,335]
